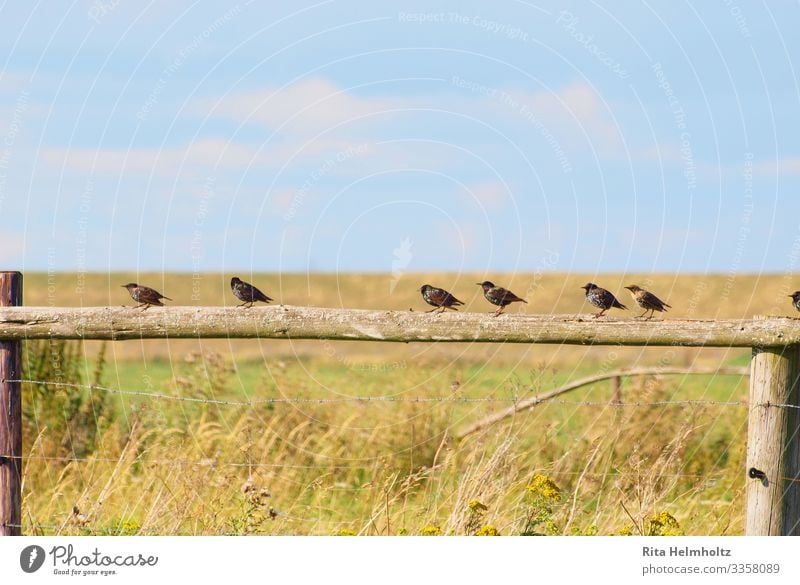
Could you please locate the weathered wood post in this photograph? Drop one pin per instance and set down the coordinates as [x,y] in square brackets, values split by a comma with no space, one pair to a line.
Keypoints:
[773,443]
[616,390]
[10,416]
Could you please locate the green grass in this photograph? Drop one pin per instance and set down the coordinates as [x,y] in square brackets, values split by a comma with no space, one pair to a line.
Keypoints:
[341,459]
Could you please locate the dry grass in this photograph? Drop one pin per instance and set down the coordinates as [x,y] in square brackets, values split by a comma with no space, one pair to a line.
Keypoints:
[297,474]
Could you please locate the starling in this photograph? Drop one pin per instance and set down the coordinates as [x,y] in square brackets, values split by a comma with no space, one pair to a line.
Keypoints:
[144,295]
[439,298]
[601,298]
[796,300]
[247,292]
[499,296]
[647,301]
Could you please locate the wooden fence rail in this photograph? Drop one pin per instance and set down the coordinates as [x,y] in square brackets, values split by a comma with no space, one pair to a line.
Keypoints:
[287,322]
[773,502]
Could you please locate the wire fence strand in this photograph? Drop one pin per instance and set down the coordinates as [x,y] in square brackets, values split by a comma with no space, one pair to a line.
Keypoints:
[387,398]
[283,521]
[209,462]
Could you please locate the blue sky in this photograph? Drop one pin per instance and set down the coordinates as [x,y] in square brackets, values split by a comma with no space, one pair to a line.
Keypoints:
[516,136]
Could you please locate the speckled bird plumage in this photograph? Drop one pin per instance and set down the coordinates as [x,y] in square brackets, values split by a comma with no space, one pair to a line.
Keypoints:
[497,295]
[144,295]
[601,298]
[439,298]
[247,293]
[796,299]
[647,301]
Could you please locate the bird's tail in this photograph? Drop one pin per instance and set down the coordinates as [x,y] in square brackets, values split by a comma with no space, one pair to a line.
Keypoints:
[167,298]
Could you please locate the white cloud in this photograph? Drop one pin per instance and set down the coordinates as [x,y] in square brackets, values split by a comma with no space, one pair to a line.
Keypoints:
[318,157]
[574,114]
[281,201]
[11,81]
[307,107]
[11,248]
[311,107]
[664,153]
[201,155]
[782,166]
[315,105]
[209,152]
[491,196]
[570,120]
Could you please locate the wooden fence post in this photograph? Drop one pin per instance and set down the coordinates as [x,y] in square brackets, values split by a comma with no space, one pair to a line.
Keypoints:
[616,389]
[10,416]
[773,443]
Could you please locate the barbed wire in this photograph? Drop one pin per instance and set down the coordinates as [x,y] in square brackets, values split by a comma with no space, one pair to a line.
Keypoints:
[342,467]
[385,399]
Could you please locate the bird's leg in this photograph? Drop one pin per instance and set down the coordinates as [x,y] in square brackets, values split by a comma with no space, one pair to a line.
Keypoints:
[242,304]
[146,306]
[442,310]
[140,305]
[432,310]
[652,314]
[600,314]
[642,315]
[498,311]
[249,304]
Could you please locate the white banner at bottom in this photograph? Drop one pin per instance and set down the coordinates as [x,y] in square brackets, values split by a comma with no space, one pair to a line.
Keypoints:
[402,560]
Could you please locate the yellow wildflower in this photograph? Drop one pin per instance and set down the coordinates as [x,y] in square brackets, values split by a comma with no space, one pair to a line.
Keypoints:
[544,486]
[477,506]
[664,524]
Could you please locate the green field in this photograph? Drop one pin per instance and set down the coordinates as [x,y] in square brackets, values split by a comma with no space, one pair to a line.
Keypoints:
[279,437]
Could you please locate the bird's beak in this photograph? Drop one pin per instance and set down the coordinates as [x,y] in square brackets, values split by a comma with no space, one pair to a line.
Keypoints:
[479,283]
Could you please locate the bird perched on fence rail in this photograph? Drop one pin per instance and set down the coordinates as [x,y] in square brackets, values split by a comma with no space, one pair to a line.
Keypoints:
[246,292]
[144,295]
[499,296]
[601,298]
[796,299]
[647,301]
[439,298]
